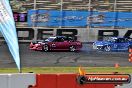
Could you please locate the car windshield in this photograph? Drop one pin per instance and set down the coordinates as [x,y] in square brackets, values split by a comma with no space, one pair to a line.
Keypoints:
[110,39]
[50,39]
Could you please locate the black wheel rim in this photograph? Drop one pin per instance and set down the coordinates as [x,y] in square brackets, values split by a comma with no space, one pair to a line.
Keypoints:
[72,49]
[46,48]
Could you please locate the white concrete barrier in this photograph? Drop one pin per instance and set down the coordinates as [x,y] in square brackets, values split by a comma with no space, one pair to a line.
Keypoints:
[20,80]
[4,81]
[83,34]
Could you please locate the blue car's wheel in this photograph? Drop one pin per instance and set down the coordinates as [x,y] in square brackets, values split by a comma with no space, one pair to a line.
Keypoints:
[107,48]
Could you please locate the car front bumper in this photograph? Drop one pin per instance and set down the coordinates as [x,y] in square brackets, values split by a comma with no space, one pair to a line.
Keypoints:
[97,47]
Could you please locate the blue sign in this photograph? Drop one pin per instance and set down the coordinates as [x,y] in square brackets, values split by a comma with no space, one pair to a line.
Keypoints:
[116,19]
[54,18]
[57,18]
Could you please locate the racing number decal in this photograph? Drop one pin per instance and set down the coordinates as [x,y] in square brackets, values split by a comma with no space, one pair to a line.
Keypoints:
[53,45]
[115,45]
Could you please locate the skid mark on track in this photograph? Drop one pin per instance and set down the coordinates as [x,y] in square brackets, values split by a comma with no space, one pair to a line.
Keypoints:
[58,60]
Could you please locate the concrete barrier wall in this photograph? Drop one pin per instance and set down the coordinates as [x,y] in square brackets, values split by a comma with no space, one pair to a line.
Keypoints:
[4,81]
[83,34]
[96,33]
[22,80]
[65,81]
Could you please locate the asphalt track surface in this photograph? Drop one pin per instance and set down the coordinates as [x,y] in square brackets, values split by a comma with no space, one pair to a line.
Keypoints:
[86,57]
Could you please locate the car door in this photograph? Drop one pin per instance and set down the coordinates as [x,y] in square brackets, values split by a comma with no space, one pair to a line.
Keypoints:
[122,44]
[58,44]
[114,44]
[66,44]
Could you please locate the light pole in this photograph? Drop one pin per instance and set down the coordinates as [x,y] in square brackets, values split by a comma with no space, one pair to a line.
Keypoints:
[61,13]
[89,11]
[115,5]
[34,5]
[34,22]
[88,22]
[116,13]
[89,5]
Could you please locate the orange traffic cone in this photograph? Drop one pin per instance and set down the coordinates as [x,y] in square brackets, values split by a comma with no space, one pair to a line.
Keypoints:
[116,65]
[130,50]
[130,55]
[130,59]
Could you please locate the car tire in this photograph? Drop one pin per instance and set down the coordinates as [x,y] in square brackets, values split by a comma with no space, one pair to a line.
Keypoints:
[107,48]
[45,48]
[72,48]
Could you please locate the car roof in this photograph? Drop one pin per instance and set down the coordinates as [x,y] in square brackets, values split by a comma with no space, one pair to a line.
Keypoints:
[61,36]
[52,37]
[117,37]
[57,37]
[114,37]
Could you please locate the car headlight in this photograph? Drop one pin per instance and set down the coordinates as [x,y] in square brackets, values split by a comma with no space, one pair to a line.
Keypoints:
[94,46]
[100,45]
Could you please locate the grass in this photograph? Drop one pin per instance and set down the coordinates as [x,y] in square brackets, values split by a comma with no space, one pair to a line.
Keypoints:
[42,70]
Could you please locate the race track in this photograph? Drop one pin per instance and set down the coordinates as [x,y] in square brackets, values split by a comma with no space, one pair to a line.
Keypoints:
[86,57]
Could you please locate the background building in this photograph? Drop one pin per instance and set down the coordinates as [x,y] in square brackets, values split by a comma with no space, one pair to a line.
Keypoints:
[101,6]
[87,20]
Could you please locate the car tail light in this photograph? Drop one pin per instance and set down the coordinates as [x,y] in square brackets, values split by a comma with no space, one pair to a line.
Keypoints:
[37,44]
[31,43]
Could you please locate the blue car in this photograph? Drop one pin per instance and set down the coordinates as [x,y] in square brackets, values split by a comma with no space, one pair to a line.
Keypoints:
[113,44]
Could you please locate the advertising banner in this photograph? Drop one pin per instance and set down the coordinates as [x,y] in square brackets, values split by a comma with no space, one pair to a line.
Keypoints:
[108,19]
[104,78]
[55,18]
[20,17]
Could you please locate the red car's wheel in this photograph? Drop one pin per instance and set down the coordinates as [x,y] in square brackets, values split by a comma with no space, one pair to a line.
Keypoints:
[45,48]
[72,48]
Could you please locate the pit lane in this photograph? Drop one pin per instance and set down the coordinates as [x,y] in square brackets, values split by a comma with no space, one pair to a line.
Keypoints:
[86,57]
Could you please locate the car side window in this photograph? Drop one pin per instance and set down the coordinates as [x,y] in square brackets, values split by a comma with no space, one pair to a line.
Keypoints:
[121,40]
[59,40]
[126,40]
[70,39]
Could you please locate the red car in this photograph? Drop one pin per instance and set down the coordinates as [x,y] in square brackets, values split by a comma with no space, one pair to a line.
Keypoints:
[57,43]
